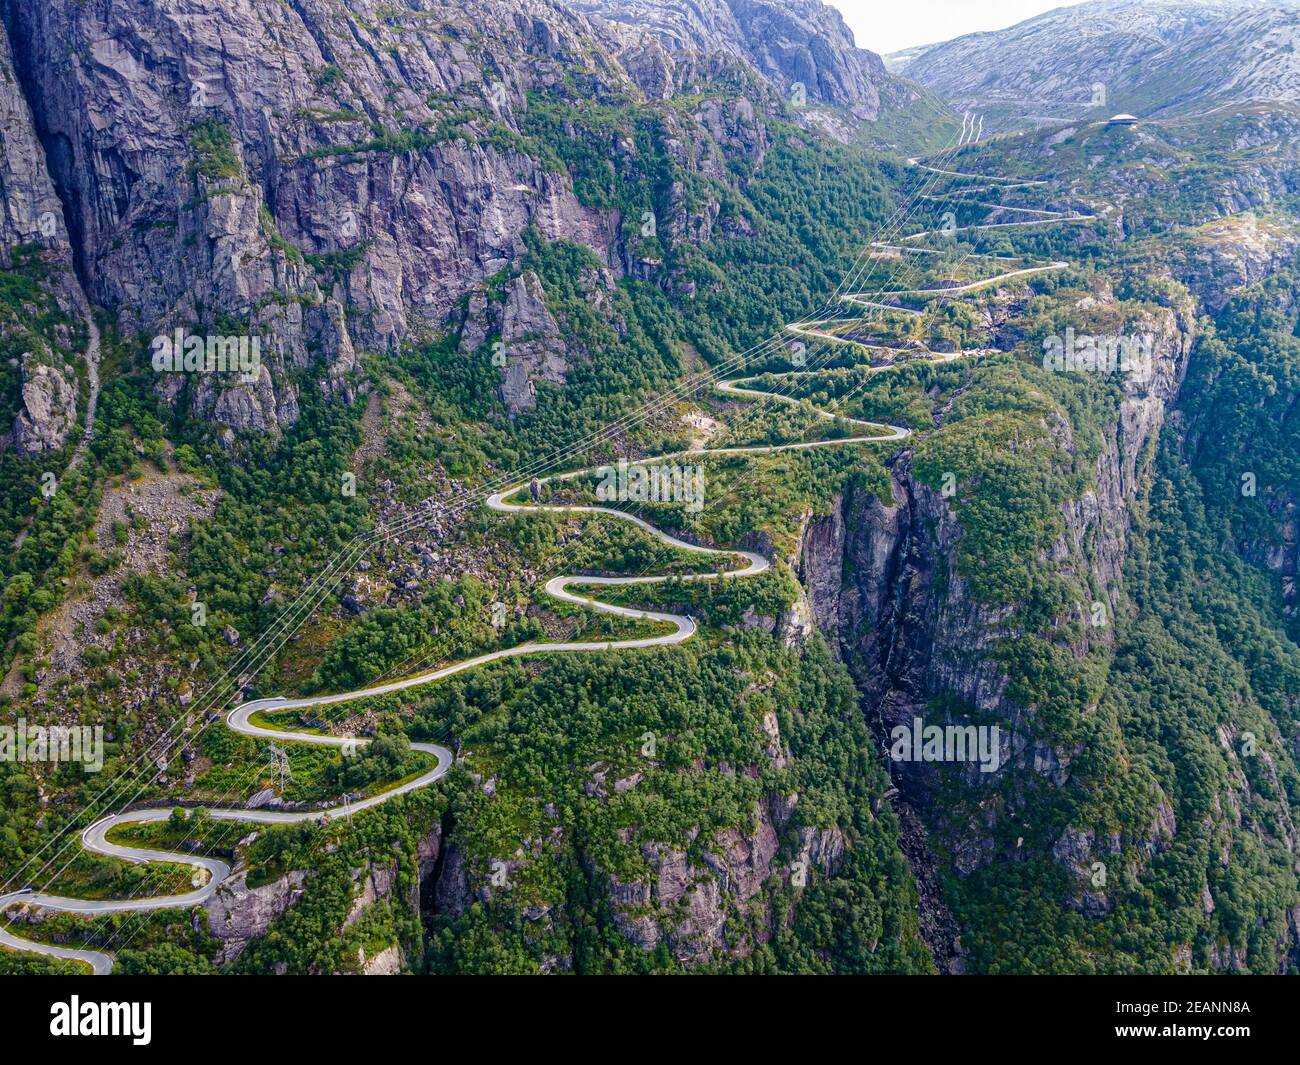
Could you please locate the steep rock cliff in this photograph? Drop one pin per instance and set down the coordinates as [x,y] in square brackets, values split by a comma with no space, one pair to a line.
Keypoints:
[31,216]
[347,194]
[800,42]
[308,202]
[884,582]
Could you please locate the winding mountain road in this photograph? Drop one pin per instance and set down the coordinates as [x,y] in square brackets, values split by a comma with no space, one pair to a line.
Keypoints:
[214,871]
[95,838]
[880,302]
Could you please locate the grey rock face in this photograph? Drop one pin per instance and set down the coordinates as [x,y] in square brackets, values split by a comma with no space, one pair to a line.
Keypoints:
[692,907]
[30,211]
[882,581]
[388,962]
[49,409]
[531,344]
[452,892]
[352,193]
[32,214]
[823,848]
[819,567]
[788,41]
[377,883]
[198,175]
[238,913]
[872,569]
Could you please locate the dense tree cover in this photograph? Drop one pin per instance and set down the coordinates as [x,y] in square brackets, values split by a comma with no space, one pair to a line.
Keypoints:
[83,875]
[283,509]
[731,511]
[810,207]
[40,510]
[541,743]
[1185,732]
[172,937]
[18,795]
[1201,664]
[1241,397]
[768,494]
[449,387]
[622,355]
[910,394]
[21,963]
[453,621]
[578,135]
[265,854]
[1012,473]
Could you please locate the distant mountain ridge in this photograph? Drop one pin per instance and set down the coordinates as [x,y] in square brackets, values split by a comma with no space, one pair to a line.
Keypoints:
[787,41]
[1154,58]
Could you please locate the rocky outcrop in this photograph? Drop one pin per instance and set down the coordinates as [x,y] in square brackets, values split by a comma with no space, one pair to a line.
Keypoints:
[158,513]
[707,909]
[909,610]
[31,215]
[49,410]
[820,847]
[388,962]
[427,853]
[237,913]
[882,575]
[30,210]
[1280,553]
[676,904]
[736,127]
[376,883]
[353,195]
[532,347]
[820,568]
[521,338]
[1234,252]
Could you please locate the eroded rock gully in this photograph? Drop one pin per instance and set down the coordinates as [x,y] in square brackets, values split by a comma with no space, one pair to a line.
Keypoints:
[883,585]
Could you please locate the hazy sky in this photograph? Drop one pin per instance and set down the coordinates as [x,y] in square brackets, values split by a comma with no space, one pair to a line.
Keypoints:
[888,25]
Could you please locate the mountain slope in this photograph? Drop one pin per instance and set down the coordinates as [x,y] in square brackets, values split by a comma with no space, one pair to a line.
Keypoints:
[801,47]
[473,241]
[803,41]
[391,197]
[1154,58]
